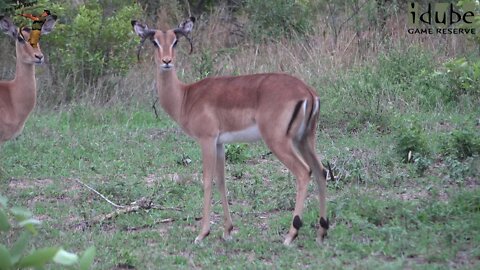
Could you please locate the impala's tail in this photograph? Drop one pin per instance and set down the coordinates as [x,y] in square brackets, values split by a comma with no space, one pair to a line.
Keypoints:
[303,117]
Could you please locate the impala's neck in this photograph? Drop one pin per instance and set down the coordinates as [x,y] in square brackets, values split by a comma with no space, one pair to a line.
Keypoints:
[25,91]
[170,92]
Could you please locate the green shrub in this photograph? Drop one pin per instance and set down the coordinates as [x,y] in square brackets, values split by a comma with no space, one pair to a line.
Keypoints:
[421,163]
[411,141]
[19,257]
[236,153]
[89,46]
[277,19]
[462,144]
[462,77]
[399,80]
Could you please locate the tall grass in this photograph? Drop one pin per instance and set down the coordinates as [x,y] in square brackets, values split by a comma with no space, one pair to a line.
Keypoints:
[224,47]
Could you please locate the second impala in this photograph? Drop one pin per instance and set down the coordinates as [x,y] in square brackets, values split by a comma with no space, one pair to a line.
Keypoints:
[278,108]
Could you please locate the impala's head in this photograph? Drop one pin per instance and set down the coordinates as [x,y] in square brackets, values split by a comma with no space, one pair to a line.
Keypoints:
[164,41]
[27,40]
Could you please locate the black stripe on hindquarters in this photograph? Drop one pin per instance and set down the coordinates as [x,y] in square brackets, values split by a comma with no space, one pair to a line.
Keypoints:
[294,115]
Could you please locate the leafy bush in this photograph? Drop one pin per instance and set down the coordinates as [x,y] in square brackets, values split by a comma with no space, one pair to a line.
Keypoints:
[236,153]
[421,163]
[411,141]
[400,80]
[462,77]
[277,19]
[462,144]
[90,46]
[16,257]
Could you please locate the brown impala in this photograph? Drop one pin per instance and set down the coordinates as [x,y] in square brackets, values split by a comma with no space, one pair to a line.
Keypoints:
[17,97]
[278,108]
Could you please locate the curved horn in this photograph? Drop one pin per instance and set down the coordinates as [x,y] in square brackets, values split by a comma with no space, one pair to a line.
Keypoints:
[181,32]
[139,48]
[20,32]
[143,32]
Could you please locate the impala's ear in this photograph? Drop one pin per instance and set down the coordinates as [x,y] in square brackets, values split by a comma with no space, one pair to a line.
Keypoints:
[142,30]
[7,27]
[49,24]
[187,26]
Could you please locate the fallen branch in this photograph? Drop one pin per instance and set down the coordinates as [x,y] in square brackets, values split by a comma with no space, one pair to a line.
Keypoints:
[100,194]
[142,203]
[128,209]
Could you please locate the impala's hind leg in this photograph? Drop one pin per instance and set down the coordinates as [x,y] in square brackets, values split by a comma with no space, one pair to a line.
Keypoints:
[307,150]
[285,151]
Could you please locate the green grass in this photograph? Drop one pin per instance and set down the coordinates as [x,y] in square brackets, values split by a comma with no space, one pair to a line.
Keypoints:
[384,214]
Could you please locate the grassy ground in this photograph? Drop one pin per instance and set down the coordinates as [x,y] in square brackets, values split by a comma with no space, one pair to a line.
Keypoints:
[385,214]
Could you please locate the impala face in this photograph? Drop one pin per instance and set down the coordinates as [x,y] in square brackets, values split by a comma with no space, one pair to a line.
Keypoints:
[164,41]
[28,54]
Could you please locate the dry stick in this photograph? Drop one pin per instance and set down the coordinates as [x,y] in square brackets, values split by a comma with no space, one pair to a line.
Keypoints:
[140,204]
[100,194]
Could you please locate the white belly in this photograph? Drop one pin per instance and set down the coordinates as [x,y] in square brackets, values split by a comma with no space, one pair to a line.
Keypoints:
[250,134]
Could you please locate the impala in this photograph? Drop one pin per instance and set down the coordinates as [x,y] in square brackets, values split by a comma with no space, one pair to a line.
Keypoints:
[278,108]
[17,97]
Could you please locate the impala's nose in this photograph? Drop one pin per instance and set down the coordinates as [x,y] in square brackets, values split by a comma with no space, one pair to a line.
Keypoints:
[39,56]
[166,60]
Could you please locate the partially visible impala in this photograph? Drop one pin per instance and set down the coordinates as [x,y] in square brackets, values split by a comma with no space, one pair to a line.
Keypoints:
[17,97]
[275,107]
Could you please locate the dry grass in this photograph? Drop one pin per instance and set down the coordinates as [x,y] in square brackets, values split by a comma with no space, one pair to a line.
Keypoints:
[222,45]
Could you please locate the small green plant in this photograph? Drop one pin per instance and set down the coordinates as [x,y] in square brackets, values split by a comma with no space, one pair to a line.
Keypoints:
[421,163]
[411,141]
[462,144]
[205,66]
[277,19]
[236,153]
[17,256]
[456,170]
[462,76]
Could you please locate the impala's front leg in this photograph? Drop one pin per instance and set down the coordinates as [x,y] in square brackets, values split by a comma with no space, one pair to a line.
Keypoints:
[208,157]
[220,177]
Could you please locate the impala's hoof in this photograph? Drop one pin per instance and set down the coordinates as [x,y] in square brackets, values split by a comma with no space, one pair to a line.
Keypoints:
[227,234]
[198,240]
[200,237]
[288,240]
[227,237]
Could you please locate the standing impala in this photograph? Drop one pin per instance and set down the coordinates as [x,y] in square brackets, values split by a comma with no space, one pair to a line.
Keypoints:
[17,97]
[278,108]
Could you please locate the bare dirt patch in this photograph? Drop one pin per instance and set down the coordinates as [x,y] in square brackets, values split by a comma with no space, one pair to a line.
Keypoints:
[29,183]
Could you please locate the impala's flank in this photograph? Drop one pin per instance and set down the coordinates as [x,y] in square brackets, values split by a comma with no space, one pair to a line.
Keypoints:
[17,97]
[278,108]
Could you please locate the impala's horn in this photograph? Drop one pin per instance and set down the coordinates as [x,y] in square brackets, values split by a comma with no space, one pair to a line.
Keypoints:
[139,48]
[184,29]
[143,32]
[179,31]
